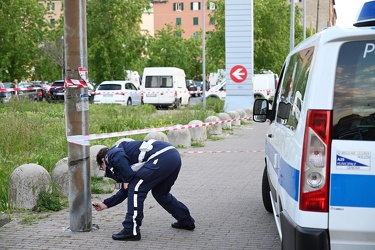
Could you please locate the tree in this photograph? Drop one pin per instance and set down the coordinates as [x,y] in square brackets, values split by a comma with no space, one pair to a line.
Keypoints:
[50,65]
[21,32]
[169,49]
[215,41]
[115,43]
[271,35]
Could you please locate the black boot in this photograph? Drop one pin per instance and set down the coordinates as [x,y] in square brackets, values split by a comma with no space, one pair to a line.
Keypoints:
[123,235]
[178,225]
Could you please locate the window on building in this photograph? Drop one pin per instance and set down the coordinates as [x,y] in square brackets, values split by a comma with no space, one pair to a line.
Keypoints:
[51,6]
[211,6]
[195,5]
[62,6]
[212,21]
[178,21]
[195,35]
[195,21]
[178,6]
[52,21]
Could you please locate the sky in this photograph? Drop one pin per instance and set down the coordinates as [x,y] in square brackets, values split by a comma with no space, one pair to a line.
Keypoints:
[347,11]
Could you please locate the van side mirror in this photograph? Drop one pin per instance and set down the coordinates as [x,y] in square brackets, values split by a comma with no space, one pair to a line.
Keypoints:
[260,110]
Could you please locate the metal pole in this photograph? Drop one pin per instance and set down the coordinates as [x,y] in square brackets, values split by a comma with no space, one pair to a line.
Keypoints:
[291,25]
[76,113]
[317,17]
[204,54]
[63,58]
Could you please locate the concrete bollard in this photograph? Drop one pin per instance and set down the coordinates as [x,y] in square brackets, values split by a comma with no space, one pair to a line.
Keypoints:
[94,168]
[249,112]
[225,117]
[198,134]
[241,112]
[180,137]
[26,182]
[60,176]
[160,136]
[214,129]
[122,140]
[234,115]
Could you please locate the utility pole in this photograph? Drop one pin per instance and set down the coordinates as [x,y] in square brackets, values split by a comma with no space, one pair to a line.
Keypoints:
[76,115]
[204,55]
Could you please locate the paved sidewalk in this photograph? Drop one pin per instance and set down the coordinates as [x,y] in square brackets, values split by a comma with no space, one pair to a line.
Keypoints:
[222,191]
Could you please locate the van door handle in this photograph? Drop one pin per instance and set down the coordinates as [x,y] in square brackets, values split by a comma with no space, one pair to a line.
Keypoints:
[270,135]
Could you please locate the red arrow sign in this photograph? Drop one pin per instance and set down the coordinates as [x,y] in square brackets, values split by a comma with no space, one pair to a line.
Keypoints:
[238,73]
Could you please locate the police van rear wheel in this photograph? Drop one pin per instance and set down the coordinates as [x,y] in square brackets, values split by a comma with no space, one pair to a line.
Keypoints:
[267,203]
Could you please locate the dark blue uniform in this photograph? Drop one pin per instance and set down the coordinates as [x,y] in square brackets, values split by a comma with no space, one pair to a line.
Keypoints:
[157,174]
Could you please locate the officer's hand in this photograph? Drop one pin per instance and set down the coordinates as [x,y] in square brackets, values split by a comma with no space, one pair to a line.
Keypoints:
[126,185]
[99,206]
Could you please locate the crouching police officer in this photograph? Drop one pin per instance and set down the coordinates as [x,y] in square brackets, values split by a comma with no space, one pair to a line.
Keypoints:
[144,166]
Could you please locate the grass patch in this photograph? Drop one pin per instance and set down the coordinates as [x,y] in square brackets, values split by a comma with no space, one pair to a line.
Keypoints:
[197,144]
[102,186]
[34,132]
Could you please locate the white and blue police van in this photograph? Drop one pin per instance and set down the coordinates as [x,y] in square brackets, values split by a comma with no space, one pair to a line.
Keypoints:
[319,178]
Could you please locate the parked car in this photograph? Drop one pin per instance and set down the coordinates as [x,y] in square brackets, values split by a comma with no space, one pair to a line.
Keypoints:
[26,91]
[5,95]
[118,92]
[43,86]
[200,87]
[319,175]
[192,87]
[56,92]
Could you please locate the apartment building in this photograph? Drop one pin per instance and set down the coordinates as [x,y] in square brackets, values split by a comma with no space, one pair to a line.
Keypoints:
[55,9]
[320,14]
[188,14]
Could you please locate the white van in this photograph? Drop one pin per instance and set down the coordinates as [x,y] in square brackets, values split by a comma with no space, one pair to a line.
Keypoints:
[133,77]
[264,85]
[164,87]
[319,176]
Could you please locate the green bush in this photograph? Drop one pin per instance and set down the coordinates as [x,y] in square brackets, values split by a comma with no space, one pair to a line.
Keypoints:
[34,132]
[49,200]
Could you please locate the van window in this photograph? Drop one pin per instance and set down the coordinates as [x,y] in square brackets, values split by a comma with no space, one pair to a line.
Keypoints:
[159,82]
[293,87]
[354,102]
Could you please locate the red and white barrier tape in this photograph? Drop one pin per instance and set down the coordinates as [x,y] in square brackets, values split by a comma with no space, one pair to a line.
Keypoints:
[168,92]
[19,89]
[85,139]
[73,83]
[223,151]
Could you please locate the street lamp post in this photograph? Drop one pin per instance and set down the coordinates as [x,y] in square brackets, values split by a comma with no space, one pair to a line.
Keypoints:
[203,55]
[62,58]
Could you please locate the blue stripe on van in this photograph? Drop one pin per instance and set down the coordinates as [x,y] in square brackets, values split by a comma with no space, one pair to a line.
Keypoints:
[289,179]
[352,190]
[288,176]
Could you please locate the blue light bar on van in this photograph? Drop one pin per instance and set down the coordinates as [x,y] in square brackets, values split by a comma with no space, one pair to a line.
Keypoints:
[366,16]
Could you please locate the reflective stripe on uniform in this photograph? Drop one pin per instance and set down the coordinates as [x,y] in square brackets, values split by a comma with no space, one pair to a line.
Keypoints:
[135,206]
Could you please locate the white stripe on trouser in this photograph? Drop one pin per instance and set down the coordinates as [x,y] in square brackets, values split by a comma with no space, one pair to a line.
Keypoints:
[135,206]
